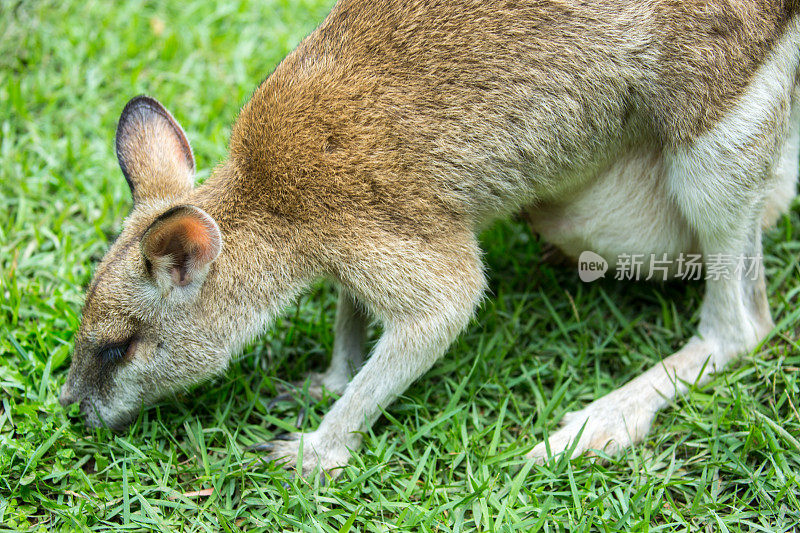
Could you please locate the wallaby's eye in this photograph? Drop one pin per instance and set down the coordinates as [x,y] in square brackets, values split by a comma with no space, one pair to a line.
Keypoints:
[113,353]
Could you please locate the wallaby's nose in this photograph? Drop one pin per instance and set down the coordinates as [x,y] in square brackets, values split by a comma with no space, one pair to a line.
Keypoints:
[66,398]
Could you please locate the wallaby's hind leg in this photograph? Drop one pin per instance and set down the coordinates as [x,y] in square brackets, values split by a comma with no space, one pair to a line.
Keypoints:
[720,183]
[734,318]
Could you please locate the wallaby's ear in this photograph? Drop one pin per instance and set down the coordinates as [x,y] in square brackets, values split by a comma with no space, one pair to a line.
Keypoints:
[153,151]
[180,245]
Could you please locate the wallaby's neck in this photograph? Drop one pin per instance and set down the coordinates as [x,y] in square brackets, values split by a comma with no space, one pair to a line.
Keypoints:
[263,265]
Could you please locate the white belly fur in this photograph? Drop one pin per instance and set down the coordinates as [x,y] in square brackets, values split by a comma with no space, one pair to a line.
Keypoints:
[625,210]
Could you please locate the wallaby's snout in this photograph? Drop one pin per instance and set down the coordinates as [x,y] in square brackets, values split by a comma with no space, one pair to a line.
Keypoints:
[100,365]
[67,397]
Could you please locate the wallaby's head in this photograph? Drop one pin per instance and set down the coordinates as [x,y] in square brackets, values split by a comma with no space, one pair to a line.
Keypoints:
[148,328]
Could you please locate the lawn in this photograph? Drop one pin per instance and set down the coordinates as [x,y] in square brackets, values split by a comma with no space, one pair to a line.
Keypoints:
[446,455]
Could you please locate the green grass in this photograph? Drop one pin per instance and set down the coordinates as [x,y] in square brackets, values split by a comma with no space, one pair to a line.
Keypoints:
[446,455]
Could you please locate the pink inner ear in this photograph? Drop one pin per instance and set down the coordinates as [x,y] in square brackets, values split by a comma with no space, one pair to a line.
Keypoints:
[197,236]
[189,242]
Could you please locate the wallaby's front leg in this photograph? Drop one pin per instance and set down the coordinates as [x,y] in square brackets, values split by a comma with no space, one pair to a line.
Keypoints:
[348,347]
[424,300]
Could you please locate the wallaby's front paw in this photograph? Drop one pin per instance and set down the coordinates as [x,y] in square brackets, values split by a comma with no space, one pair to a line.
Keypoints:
[286,450]
[317,385]
[330,382]
[600,426]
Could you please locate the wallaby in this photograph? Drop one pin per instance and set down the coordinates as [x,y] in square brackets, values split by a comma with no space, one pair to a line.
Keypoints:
[395,132]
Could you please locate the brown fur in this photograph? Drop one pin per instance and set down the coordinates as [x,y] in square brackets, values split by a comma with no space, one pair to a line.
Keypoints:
[376,107]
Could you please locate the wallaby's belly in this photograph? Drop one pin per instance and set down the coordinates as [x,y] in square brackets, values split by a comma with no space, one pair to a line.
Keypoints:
[625,210]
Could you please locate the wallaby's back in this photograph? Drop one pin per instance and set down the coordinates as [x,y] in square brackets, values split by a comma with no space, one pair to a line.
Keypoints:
[497,103]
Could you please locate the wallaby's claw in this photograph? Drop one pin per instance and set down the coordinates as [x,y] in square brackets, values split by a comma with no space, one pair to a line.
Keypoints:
[291,390]
[284,450]
[283,397]
[268,446]
[260,447]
